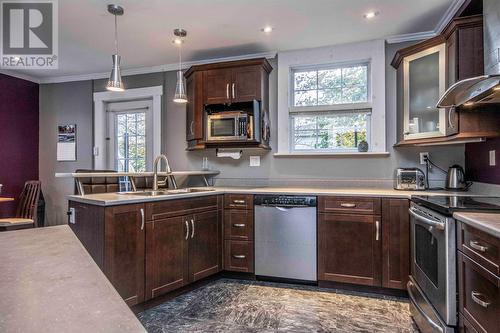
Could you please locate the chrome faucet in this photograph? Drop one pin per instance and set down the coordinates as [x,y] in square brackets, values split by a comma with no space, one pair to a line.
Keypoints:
[156,182]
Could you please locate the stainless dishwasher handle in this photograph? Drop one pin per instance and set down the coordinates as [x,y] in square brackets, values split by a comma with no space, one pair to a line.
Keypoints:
[377,230]
[239,225]
[419,309]
[192,225]
[187,229]
[142,218]
[476,298]
[438,225]
[239,256]
[476,246]
[348,205]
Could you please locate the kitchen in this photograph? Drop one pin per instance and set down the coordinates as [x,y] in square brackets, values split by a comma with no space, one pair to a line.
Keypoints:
[253,174]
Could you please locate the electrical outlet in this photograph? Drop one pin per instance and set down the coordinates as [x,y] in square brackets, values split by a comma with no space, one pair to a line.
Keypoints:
[493,161]
[423,157]
[72,216]
[254,161]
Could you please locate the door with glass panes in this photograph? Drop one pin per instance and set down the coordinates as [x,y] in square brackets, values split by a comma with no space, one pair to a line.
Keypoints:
[130,142]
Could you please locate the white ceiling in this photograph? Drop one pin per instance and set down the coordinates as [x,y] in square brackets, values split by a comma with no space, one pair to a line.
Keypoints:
[224,28]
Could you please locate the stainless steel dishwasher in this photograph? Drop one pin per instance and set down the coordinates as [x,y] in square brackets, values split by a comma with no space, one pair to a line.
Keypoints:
[285,237]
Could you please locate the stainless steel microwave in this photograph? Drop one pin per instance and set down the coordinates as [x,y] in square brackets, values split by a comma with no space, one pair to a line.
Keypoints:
[229,126]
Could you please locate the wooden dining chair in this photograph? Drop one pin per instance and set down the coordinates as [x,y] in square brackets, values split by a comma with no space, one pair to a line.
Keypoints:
[26,213]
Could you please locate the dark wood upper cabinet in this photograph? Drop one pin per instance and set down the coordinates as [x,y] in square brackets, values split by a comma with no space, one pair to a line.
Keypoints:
[350,248]
[194,107]
[395,243]
[205,245]
[217,86]
[225,83]
[166,255]
[124,237]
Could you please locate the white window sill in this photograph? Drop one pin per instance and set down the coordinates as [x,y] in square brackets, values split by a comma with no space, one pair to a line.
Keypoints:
[333,154]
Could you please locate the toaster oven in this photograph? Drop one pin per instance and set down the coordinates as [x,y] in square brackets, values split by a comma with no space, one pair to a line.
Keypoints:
[410,179]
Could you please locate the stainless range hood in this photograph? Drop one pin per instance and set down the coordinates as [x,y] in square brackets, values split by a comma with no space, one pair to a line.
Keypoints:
[483,89]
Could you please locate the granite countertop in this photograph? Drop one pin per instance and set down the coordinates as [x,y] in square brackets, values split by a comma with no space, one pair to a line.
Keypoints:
[487,222]
[112,199]
[49,283]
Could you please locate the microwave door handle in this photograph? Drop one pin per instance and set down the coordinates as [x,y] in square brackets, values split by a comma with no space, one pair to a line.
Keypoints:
[437,225]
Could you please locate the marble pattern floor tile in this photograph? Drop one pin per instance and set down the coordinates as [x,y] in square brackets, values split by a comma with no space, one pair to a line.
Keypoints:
[254,306]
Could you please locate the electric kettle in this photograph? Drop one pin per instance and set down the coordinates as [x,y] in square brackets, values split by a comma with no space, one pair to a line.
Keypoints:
[455,179]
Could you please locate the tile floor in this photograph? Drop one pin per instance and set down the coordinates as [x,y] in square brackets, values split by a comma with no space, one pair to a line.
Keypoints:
[253,306]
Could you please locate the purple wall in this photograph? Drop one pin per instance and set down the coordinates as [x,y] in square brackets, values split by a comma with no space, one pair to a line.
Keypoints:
[18,137]
[477,161]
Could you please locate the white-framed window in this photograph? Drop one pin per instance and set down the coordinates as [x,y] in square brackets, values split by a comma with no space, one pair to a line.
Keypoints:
[330,107]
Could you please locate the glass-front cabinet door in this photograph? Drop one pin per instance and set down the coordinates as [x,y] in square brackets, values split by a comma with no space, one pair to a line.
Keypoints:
[424,76]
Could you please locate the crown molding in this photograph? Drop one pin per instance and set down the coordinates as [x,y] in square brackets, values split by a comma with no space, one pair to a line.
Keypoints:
[154,69]
[20,76]
[443,22]
[411,37]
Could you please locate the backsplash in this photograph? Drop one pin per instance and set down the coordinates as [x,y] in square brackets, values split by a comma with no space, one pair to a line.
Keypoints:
[477,162]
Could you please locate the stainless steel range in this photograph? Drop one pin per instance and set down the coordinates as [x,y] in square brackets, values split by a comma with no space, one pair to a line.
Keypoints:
[433,282]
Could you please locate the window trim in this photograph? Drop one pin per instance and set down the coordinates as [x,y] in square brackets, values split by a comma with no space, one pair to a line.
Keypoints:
[324,66]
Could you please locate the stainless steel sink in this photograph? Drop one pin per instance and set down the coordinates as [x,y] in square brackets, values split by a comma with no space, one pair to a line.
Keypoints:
[167,192]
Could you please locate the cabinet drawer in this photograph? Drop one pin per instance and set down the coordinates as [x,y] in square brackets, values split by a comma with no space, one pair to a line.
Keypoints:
[170,208]
[238,256]
[238,224]
[349,205]
[464,326]
[480,246]
[240,201]
[479,295]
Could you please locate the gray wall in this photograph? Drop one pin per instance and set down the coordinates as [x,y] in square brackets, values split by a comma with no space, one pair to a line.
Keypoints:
[333,171]
[63,103]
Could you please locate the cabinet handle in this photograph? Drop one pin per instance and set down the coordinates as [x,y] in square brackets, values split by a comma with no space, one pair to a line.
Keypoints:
[187,229]
[239,256]
[239,225]
[227,90]
[192,226]
[142,218]
[191,127]
[451,112]
[233,90]
[348,205]
[476,246]
[476,298]
[377,229]
[239,201]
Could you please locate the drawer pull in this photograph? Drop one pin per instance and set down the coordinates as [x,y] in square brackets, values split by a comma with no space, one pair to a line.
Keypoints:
[348,205]
[239,225]
[476,297]
[239,256]
[239,201]
[476,246]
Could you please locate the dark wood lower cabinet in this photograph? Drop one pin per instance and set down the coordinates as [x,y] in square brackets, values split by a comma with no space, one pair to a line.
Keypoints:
[124,239]
[350,248]
[205,245]
[166,255]
[395,243]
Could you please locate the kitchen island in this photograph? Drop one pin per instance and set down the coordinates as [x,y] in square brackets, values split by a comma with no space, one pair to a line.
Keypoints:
[49,283]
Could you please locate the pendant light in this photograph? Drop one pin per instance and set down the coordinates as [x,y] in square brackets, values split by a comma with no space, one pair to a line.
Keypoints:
[180,87]
[115,79]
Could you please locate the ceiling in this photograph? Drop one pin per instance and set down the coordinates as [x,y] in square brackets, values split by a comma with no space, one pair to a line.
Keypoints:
[224,28]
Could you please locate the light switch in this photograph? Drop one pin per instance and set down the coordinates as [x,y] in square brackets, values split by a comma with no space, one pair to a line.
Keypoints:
[492,158]
[254,161]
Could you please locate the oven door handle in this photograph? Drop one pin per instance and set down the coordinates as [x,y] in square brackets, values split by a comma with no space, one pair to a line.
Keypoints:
[437,225]
[426,317]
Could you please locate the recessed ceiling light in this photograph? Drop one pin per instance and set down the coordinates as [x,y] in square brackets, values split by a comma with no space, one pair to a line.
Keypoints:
[267,29]
[370,15]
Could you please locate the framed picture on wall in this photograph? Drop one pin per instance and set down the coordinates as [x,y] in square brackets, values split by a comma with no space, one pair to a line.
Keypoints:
[66,143]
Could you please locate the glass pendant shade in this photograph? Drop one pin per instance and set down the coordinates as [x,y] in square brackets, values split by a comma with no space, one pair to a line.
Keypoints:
[115,82]
[180,88]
